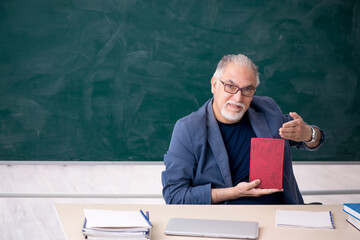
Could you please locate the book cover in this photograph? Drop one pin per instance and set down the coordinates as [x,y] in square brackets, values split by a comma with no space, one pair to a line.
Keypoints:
[267,162]
[352,209]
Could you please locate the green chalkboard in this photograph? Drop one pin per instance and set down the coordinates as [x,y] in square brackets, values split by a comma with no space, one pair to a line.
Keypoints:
[98,80]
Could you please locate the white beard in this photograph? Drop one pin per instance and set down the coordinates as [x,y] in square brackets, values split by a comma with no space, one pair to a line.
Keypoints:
[233,116]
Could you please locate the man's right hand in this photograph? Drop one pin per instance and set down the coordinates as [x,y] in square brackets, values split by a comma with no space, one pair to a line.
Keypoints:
[243,189]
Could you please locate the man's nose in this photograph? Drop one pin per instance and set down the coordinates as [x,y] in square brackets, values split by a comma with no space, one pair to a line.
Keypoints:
[237,96]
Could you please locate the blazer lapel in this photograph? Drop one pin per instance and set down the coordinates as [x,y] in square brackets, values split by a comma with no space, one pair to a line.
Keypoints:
[259,124]
[217,146]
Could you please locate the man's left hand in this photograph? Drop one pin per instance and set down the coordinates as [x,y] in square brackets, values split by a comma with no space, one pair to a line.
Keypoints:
[296,130]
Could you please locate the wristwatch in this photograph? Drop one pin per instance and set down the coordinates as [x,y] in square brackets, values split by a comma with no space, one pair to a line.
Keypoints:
[313,135]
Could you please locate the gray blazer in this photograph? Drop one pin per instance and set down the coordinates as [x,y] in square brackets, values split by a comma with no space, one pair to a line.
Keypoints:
[197,159]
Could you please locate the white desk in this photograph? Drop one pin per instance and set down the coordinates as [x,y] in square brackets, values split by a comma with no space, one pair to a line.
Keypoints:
[71,217]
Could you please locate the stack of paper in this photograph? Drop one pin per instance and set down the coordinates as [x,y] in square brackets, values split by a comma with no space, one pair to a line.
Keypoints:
[353,211]
[306,219]
[107,224]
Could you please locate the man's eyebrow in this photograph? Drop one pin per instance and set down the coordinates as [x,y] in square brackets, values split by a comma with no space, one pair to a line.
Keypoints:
[232,83]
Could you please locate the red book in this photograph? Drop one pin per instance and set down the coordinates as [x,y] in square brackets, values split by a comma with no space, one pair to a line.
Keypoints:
[267,162]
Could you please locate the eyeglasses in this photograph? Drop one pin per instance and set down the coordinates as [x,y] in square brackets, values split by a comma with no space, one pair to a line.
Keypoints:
[232,89]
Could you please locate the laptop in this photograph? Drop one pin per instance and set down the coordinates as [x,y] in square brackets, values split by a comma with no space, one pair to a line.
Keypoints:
[212,228]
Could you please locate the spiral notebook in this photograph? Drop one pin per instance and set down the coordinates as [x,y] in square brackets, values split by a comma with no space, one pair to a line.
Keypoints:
[304,219]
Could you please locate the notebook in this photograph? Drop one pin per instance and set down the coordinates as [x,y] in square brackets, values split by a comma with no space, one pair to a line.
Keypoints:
[307,219]
[212,228]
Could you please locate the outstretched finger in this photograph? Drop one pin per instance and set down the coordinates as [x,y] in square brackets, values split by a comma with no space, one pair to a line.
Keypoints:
[257,192]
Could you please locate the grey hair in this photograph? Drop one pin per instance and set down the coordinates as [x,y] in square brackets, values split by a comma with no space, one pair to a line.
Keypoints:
[238,59]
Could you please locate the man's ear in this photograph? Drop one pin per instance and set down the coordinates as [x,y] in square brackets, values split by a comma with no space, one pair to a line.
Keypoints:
[213,84]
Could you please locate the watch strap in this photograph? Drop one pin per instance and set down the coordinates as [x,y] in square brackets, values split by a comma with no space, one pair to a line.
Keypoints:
[313,135]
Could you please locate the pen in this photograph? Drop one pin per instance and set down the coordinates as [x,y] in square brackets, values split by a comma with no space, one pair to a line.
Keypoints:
[331,219]
[147,217]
